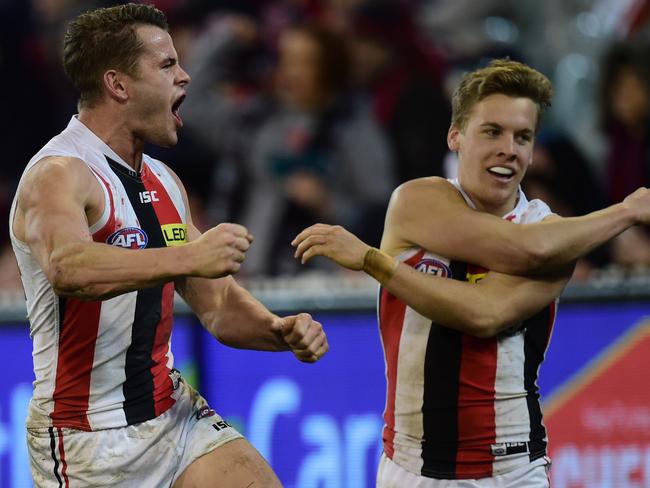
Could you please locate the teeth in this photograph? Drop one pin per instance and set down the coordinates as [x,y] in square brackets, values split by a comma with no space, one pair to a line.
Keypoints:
[500,170]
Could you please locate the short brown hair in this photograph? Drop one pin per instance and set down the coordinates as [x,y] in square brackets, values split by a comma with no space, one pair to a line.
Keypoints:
[501,76]
[105,38]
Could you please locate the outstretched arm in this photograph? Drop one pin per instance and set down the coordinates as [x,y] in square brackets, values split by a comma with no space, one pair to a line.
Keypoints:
[430,213]
[495,303]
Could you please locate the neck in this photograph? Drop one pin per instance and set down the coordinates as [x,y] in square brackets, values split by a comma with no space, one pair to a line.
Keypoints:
[115,132]
[497,208]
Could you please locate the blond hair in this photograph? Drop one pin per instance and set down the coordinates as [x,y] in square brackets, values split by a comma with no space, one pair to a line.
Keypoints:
[501,76]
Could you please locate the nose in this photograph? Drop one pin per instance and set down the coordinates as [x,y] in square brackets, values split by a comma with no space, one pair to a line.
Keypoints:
[183,78]
[507,146]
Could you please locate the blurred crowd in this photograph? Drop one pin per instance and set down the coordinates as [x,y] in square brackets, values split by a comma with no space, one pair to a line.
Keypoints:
[304,111]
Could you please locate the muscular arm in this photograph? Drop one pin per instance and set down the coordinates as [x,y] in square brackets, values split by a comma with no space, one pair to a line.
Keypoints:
[430,213]
[55,200]
[483,309]
[235,318]
[229,312]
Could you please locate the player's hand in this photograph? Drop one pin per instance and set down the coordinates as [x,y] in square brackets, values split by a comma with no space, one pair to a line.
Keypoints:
[304,336]
[639,202]
[220,251]
[331,241]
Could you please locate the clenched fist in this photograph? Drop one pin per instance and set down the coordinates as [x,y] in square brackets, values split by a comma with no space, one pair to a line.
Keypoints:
[220,251]
[304,336]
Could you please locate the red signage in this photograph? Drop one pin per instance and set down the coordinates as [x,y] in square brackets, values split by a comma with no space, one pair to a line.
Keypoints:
[599,423]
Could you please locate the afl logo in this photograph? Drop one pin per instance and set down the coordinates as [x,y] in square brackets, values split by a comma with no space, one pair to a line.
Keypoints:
[128,237]
[433,267]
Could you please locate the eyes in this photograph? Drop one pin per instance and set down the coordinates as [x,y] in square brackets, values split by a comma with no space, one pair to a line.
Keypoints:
[522,137]
[168,63]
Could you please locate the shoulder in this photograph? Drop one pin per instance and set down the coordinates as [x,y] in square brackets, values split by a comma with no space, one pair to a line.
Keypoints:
[57,175]
[57,168]
[432,189]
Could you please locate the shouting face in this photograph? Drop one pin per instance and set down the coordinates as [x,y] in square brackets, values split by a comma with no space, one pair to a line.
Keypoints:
[157,89]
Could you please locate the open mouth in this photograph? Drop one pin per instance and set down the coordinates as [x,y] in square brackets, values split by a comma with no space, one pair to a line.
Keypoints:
[501,172]
[176,105]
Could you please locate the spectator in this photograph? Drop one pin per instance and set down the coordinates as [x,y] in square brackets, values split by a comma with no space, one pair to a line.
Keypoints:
[306,150]
[625,105]
[401,74]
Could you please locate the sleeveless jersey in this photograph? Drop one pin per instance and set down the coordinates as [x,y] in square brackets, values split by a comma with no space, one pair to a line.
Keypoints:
[459,406]
[105,364]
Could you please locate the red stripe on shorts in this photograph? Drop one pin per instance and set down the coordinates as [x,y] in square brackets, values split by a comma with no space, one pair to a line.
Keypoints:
[64,465]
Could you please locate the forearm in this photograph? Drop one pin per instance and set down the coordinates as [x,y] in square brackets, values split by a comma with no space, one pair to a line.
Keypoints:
[482,309]
[458,305]
[231,314]
[93,271]
[563,241]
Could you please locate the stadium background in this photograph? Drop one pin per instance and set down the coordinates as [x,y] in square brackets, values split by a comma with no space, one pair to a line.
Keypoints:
[320,425]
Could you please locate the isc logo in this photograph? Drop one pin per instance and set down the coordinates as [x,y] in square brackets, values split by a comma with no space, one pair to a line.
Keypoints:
[148,196]
[433,267]
[129,237]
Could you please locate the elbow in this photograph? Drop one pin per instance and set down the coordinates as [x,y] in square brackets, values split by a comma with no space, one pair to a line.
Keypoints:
[221,332]
[483,328]
[220,335]
[484,324]
[62,278]
[537,254]
[68,283]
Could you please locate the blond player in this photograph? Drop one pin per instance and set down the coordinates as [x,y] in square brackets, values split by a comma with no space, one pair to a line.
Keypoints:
[462,345]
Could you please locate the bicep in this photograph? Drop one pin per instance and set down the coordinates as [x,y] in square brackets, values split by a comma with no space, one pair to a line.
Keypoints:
[431,214]
[52,202]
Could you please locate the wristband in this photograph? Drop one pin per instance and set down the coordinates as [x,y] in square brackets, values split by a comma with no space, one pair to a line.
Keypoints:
[379,265]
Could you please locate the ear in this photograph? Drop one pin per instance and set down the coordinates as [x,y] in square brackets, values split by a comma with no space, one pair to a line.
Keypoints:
[115,84]
[453,138]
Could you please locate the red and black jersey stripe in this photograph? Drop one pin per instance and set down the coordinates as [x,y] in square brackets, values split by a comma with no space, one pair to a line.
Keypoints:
[139,388]
[537,338]
[440,408]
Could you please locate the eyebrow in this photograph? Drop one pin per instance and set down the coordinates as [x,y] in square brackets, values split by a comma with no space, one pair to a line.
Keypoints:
[494,125]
